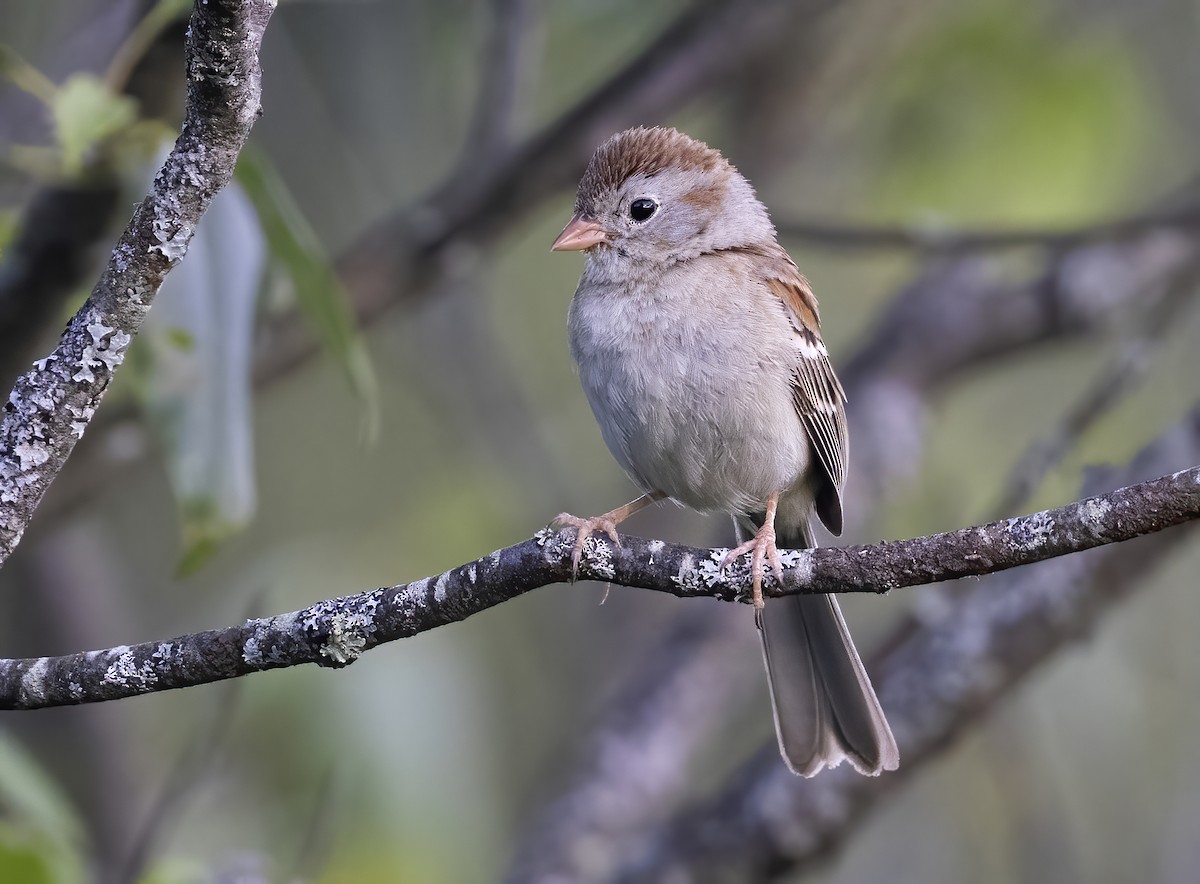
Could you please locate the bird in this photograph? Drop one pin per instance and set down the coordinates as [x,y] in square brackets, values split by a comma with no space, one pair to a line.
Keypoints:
[698,345]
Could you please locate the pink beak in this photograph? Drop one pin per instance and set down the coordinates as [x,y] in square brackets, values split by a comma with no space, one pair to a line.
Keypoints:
[579,234]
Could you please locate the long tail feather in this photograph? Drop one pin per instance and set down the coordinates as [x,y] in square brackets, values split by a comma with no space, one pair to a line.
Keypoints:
[825,708]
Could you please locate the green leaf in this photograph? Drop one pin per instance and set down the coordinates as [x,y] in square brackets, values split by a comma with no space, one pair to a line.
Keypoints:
[10,224]
[198,384]
[26,858]
[25,76]
[179,870]
[40,831]
[85,113]
[319,294]
[28,794]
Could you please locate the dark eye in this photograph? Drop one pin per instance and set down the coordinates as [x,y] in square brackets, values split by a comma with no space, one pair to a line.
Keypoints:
[642,209]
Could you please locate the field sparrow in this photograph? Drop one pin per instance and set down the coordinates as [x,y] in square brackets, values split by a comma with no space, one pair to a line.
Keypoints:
[699,348]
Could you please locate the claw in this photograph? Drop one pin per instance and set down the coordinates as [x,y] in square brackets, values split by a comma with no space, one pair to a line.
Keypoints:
[585,528]
[761,548]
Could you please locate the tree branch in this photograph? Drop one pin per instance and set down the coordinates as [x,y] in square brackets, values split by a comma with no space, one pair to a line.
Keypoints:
[52,404]
[62,222]
[1119,376]
[640,751]
[504,60]
[335,632]
[933,682]
[958,240]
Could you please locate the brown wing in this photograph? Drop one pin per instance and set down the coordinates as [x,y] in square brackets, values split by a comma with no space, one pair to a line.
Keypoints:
[816,390]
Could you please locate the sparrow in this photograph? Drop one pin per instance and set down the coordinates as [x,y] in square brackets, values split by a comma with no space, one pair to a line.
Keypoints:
[698,345]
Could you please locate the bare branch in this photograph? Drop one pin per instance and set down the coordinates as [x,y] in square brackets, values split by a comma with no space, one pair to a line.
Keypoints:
[180,786]
[962,312]
[335,632]
[52,404]
[1118,377]
[639,755]
[499,84]
[933,683]
[958,240]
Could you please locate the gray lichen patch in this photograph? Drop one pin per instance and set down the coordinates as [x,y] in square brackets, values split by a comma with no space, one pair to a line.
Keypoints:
[126,672]
[261,648]
[413,594]
[172,235]
[1031,532]
[347,624]
[700,576]
[121,256]
[1093,513]
[347,638]
[597,556]
[799,565]
[31,455]
[101,353]
[598,553]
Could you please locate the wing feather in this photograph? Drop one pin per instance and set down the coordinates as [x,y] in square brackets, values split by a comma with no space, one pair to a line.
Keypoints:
[816,390]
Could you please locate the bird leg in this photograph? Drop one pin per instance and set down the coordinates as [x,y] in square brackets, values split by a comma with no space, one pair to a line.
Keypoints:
[761,548]
[607,523]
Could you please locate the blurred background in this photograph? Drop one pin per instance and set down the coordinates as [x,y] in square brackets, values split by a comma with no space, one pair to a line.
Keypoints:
[360,376]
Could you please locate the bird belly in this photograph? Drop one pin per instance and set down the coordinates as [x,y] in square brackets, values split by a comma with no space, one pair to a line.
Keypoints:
[699,410]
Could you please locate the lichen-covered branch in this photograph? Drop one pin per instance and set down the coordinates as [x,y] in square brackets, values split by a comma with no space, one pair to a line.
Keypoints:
[52,404]
[949,669]
[337,631]
[50,257]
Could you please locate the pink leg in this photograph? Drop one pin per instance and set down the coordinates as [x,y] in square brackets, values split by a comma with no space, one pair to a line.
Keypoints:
[607,523]
[761,548]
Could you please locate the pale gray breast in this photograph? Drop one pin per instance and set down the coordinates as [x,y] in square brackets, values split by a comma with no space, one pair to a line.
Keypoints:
[689,376]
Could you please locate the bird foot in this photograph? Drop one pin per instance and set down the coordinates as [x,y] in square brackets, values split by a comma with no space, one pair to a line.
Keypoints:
[762,549]
[585,528]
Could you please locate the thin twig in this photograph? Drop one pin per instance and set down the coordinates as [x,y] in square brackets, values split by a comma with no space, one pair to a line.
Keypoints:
[499,84]
[316,843]
[959,240]
[639,754]
[179,785]
[335,632]
[1119,376]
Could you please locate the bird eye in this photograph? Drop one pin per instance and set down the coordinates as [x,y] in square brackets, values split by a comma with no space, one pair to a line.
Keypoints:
[641,209]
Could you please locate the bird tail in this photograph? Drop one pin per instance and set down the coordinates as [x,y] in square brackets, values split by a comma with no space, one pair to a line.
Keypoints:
[825,708]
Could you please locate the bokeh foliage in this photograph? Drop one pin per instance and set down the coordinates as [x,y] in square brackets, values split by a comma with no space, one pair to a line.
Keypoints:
[423,761]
